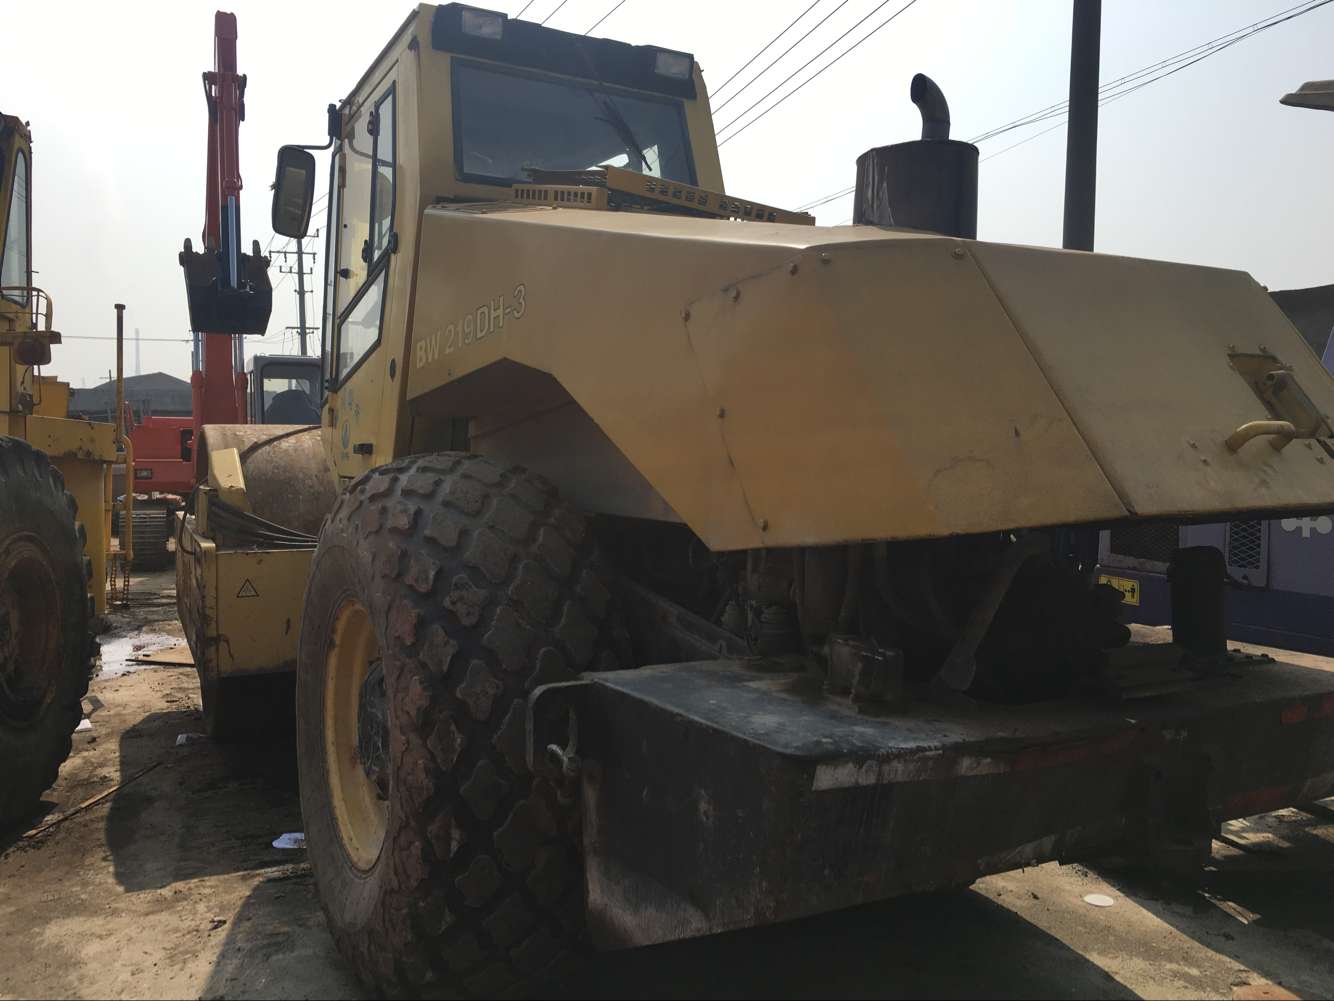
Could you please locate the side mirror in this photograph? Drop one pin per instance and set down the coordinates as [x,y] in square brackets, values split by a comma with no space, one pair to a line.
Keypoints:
[293,192]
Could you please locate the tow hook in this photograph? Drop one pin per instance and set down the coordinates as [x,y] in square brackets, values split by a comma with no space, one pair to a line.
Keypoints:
[553,726]
[566,759]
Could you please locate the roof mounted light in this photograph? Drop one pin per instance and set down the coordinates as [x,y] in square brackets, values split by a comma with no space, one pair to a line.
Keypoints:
[482,23]
[677,65]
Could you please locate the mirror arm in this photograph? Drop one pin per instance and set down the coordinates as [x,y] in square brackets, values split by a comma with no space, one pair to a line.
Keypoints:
[335,130]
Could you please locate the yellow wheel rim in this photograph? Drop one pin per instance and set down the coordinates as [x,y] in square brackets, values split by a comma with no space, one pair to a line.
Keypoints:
[361,813]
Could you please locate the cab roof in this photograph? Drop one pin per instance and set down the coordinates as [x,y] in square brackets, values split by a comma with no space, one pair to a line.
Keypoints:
[492,35]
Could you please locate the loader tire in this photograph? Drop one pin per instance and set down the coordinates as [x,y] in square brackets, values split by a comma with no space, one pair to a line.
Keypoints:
[46,640]
[443,590]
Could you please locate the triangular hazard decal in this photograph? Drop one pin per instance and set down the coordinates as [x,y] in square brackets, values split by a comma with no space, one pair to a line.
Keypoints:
[247,590]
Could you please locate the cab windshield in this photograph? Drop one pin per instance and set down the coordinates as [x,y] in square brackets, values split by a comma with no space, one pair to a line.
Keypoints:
[508,121]
[289,394]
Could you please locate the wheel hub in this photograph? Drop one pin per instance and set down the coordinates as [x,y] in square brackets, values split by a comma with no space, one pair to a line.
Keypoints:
[373,730]
[356,735]
[29,631]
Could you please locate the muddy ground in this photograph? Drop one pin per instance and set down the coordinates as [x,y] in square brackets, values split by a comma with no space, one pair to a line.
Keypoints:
[170,888]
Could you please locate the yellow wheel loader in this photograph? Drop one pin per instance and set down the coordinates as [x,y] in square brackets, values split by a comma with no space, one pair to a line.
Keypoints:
[55,515]
[665,564]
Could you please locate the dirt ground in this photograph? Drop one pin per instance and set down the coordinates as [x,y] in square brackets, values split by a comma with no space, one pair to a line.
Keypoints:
[170,888]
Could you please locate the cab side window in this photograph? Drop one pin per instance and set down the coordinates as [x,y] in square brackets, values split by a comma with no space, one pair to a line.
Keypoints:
[365,240]
[14,272]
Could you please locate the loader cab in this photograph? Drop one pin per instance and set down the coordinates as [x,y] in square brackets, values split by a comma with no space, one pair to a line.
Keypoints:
[460,106]
[25,312]
[15,222]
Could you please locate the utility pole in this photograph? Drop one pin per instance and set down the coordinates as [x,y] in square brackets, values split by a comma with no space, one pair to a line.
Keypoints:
[301,293]
[1081,145]
[301,275]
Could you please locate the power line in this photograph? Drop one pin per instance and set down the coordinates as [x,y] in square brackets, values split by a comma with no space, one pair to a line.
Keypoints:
[554,12]
[111,337]
[826,199]
[1139,86]
[1110,92]
[313,206]
[1028,139]
[814,75]
[607,15]
[791,24]
[524,8]
[1215,44]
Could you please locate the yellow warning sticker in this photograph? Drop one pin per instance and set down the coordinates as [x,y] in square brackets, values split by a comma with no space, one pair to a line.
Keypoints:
[1128,587]
[247,590]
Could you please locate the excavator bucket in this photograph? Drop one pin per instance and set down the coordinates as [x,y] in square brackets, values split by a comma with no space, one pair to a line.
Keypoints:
[219,309]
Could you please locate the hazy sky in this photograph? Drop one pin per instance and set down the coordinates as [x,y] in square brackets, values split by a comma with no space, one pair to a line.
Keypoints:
[1204,166]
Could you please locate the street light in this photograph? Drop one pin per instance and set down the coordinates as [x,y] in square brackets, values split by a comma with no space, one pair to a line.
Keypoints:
[1317,94]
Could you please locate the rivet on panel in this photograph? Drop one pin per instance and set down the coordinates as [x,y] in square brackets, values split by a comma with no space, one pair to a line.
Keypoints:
[734,293]
[722,412]
[957,253]
[793,268]
[826,259]
[1191,443]
[685,315]
[764,524]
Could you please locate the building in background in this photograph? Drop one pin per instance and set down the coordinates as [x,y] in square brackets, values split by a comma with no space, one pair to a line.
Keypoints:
[154,393]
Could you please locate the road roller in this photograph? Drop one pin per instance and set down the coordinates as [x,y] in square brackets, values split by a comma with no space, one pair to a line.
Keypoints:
[664,564]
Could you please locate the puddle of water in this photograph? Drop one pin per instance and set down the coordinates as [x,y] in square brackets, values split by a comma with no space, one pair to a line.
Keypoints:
[118,646]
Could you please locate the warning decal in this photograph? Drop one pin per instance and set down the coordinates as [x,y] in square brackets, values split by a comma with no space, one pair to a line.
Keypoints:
[247,590]
[1128,586]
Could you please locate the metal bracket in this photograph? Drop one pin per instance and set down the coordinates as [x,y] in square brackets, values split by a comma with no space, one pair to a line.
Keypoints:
[553,729]
[960,667]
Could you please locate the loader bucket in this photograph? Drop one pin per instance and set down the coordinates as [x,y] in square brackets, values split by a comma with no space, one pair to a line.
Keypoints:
[216,309]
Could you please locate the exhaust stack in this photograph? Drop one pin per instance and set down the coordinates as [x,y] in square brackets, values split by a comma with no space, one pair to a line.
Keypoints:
[928,184]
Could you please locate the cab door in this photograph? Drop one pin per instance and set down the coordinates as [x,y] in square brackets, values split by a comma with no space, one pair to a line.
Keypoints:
[363,244]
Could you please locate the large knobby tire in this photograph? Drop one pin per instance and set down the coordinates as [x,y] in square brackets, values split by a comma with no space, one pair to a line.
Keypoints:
[443,590]
[46,640]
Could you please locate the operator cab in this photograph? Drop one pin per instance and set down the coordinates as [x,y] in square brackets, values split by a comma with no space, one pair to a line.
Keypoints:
[467,106]
[284,389]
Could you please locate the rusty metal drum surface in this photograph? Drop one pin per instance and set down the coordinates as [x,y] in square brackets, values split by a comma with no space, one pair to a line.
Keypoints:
[287,476]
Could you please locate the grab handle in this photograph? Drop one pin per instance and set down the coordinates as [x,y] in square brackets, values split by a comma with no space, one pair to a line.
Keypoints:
[1282,431]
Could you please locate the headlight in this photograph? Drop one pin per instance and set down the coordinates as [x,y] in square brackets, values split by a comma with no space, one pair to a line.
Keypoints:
[482,23]
[677,65]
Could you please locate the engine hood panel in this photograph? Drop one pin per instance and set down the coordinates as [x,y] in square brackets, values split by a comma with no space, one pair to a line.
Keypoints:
[788,385]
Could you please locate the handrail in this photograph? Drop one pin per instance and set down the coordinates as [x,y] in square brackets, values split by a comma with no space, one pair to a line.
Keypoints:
[32,297]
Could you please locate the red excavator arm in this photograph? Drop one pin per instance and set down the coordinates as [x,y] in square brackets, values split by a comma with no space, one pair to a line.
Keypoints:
[228,291]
